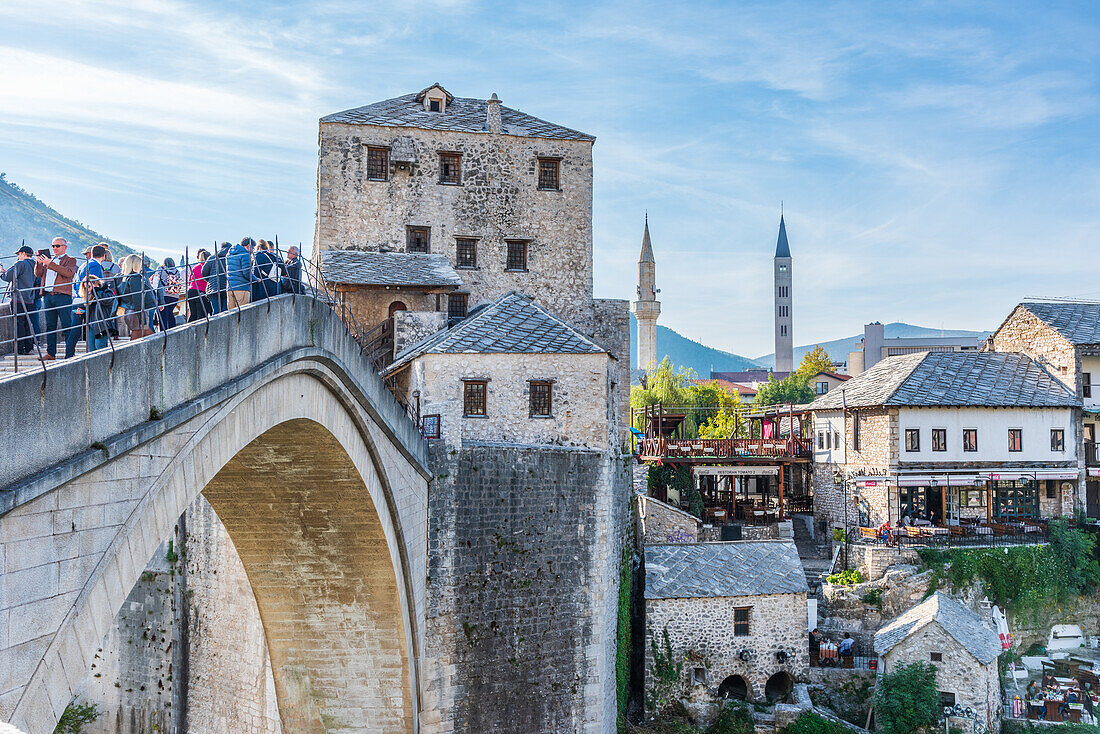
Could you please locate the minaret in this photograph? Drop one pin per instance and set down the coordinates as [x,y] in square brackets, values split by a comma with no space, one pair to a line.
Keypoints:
[784,340]
[647,308]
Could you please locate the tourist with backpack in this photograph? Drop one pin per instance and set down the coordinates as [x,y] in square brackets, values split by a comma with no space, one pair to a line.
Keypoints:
[267,269]
[214,272]
[239,277]
[136,297]
[167,282]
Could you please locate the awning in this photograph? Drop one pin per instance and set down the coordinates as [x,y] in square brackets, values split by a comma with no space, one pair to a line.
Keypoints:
[1013,474]
[938,480]
[1094,471]
[736,471]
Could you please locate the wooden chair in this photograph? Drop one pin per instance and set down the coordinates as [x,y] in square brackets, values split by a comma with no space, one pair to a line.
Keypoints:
[956,531]
[869,534]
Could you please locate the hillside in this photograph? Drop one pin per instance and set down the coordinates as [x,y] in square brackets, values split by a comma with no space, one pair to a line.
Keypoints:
[687,353]
[24,218]
[838,348]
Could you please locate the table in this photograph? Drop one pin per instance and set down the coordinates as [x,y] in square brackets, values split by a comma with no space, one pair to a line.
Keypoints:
[829,651]
[981,530]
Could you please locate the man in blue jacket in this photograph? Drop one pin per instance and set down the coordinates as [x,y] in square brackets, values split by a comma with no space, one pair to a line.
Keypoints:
[239,266]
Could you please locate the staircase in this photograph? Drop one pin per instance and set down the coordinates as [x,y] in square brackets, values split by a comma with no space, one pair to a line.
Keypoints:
[815,556]
[763,722]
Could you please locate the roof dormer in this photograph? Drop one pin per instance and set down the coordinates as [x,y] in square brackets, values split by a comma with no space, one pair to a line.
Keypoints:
[435,98]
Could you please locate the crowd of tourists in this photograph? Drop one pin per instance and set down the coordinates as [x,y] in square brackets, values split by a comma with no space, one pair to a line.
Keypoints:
[57,299]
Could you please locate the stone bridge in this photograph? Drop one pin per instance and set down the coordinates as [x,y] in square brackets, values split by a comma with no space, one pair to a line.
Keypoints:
[316,472]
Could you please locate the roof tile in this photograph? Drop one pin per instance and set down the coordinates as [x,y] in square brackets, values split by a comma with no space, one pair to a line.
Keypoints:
[958,621]
[694,570]
[365,267]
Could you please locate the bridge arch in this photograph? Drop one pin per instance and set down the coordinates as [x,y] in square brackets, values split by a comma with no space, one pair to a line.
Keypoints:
[326,511]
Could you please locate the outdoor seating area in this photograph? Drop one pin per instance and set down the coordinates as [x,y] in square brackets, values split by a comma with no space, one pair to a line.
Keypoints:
[967,531]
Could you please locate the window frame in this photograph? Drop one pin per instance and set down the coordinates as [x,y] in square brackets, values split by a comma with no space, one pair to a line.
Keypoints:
[968,433]
[531,399]
[821,440]
[431,425]
[508,244]
[453,299]
[1086,384]
[935,657]
[461,242]
[1015,438]
[1060,445]
[556,161]
[385,152]
[912,447]
[746,622]
[941,434]
[855,432]
[410,229]
[456,179]
[818,388]
[469,398]
[836,439]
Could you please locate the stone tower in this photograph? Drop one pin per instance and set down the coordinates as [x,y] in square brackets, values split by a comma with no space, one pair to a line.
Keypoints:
[784,340]
[647,308]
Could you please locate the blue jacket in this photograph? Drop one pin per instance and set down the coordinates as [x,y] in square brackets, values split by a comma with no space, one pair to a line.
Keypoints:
[239,264]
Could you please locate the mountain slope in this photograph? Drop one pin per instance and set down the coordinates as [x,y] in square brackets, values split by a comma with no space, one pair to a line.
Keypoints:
[687,353]
[838,348]
[24,218]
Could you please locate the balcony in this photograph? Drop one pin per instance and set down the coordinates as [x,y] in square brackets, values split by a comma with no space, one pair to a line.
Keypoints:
[1092,453]
[687,450]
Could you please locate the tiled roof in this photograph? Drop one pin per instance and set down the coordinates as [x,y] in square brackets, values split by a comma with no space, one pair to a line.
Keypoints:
[464,114]
[513,324]
[955,619]
[929,379]
[694,570]
[1077,322]
[362,267]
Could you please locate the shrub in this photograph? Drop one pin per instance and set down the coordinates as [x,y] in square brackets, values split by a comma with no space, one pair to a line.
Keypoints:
[668,675]
[75,716]
[845,578]
[907,699]
[734,718]
[873,597]
[811,723]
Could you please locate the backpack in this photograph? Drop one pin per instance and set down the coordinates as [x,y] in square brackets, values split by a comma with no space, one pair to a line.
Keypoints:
[173,286]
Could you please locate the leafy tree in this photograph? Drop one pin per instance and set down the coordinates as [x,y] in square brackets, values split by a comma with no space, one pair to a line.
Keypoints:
[791,389]
[724,424]
[816,360]
[907,699]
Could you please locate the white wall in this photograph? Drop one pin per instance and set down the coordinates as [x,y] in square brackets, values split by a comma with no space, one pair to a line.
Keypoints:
[831,422]
[1092,366]
[992,425]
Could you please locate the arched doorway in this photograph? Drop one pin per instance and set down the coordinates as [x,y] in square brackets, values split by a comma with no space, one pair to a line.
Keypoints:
[778,687]
[397,306]
[734,687]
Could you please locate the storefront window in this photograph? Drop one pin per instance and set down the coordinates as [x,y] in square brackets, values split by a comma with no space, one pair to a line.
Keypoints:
[1015,498]
[912,502]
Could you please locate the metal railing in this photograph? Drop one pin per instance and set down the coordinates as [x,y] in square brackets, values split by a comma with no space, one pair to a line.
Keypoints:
[986,535]
[144,303]
[724,448]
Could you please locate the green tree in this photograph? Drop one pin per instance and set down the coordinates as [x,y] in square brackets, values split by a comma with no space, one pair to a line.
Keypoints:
[816,360]
[907,699]
[663,384]
[791,389]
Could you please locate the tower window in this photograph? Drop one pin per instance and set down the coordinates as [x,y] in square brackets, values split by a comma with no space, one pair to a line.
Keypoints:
[417,239]
[550,174]
[783,330]
[450,168]
[784,291]
[457,305]
[782,268]
[465,252]
[517,254]
[541,398]
[378,164]
[473,397]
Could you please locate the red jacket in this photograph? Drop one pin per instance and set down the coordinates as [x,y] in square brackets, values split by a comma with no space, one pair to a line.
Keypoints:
[65,269]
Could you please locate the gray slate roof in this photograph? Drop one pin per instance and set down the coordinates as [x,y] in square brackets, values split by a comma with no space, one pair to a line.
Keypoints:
[1077,322]
[928,379]
[513,324]
[958,621]
[361,267]
[464,114]
[697,570]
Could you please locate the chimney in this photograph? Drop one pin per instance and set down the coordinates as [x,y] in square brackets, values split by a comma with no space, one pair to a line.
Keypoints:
[492,115]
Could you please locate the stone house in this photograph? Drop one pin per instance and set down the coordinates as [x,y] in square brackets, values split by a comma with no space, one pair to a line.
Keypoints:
[735,614]
[962,645]
[510,372]
[1064,337]
[505,196]
[945,436]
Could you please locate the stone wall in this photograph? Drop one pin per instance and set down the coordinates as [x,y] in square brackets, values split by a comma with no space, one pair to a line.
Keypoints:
[498,199]
[580,397]
[663,523]
[410,327]
[524,549]
[702,630]
[371,306]
[974,685]
[877,454]
[612,332]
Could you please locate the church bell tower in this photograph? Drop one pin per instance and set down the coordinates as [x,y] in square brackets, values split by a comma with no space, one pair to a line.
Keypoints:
[784,339]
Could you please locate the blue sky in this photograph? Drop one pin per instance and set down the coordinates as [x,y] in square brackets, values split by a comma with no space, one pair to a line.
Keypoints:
[938,161]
